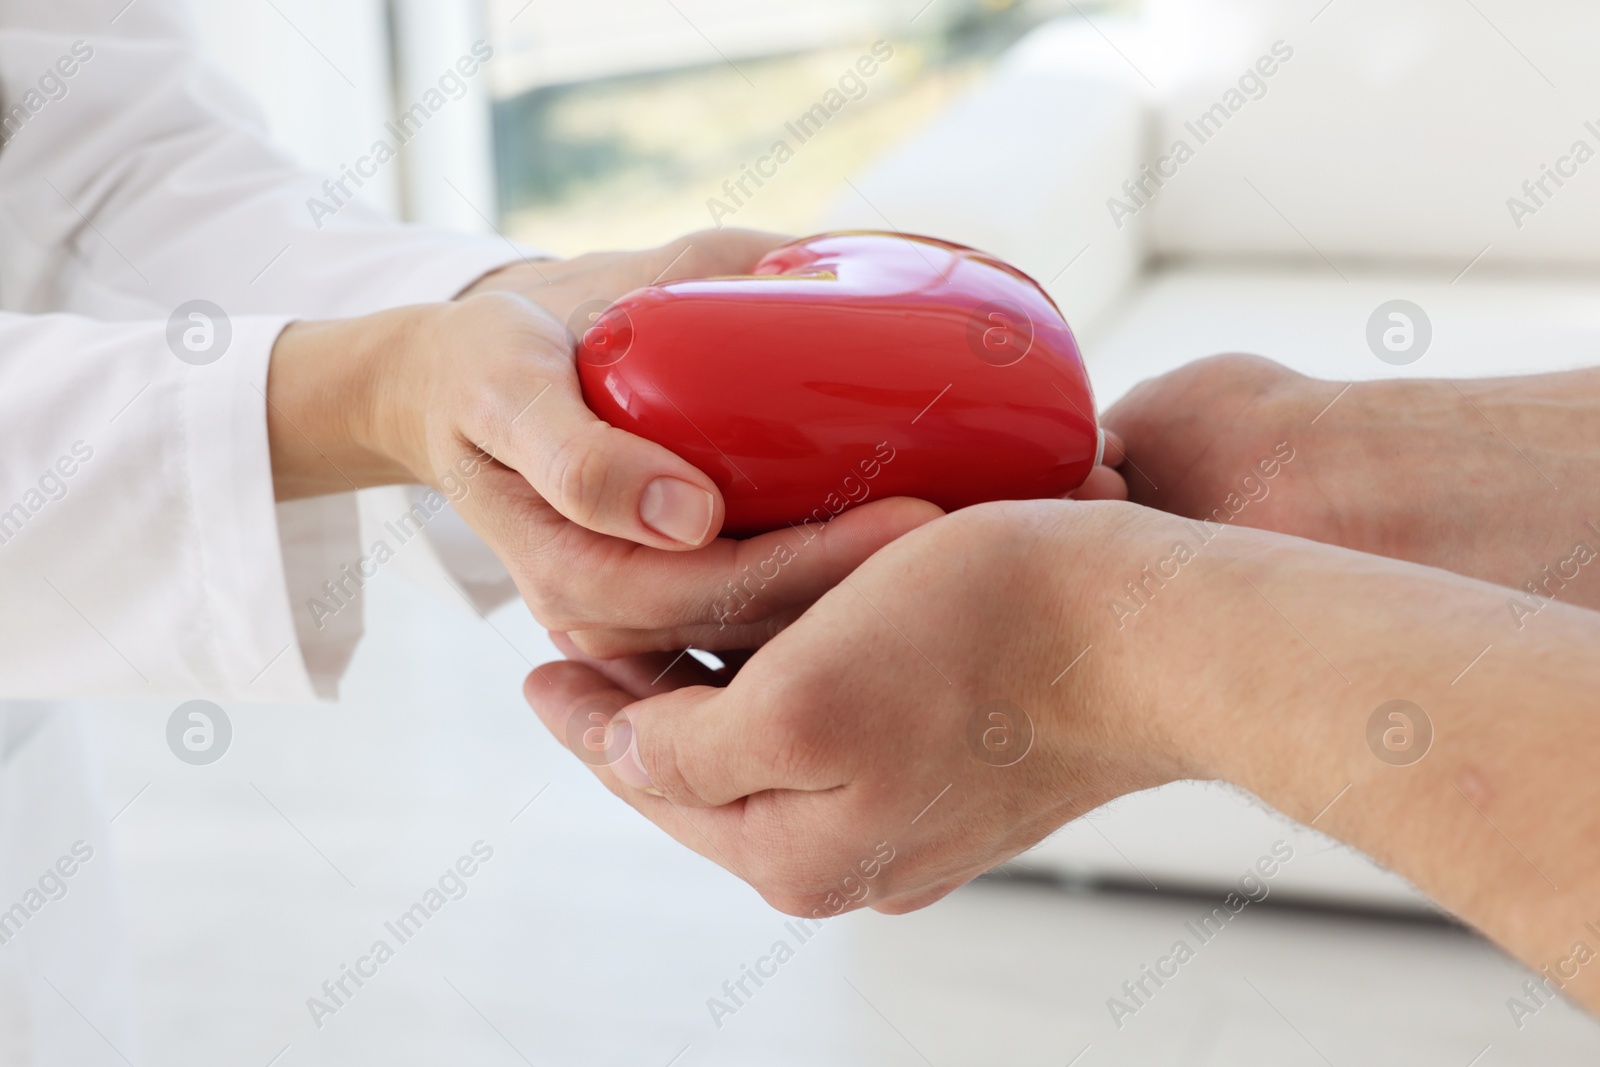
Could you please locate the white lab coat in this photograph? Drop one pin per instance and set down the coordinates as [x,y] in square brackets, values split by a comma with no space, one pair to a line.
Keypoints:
[141,551]
[160,566]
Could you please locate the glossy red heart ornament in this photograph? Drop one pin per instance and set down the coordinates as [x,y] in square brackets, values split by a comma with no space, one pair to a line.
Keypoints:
[849,367]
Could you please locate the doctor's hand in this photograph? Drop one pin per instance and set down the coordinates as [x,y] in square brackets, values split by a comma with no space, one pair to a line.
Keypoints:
[926,720]
[1490,478]
[480,399]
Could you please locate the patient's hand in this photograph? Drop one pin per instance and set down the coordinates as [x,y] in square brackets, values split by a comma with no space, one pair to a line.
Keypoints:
[932,709]
[1492,478]
[1008,667]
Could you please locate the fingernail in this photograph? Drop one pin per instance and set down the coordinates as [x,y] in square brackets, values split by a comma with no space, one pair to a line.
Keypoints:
[676,509]
[625,756]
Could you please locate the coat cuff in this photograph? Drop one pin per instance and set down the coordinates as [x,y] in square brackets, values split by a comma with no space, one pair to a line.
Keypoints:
[242,562]
[321,538]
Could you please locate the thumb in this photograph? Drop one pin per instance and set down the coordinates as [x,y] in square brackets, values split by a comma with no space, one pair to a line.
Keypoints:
[697,747]
[582,708]
[604,479]
[711,747]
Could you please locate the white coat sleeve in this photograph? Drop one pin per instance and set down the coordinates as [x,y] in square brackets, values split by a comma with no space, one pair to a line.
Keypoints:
[139,549]
[135,178]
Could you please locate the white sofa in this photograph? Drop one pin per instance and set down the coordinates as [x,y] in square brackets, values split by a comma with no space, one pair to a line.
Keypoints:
[1375,163]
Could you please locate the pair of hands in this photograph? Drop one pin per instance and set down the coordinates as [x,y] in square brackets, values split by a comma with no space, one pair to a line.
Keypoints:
[611,539]
[945,690]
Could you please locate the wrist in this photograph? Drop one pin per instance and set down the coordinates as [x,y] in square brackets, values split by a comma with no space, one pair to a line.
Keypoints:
[1122,675]
[337,393]
[1195,648]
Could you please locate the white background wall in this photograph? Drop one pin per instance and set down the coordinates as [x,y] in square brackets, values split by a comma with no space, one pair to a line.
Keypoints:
[324,74]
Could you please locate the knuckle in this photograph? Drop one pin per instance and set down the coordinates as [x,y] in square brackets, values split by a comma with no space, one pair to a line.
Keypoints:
[800,905]
[1234,367]
[796,869]
[788,885]
[546,605]
[805,893]
[484,401]
[669,772]
[773,625]
[561,619]
[553,593]
[498,309]
[578,475]
[1235,360]
[604,644]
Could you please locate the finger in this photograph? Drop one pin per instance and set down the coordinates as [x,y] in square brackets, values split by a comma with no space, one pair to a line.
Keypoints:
[604,479]
[580,707]
[717,638]
[717,252]
[1116,451]
[689,747]
[707,748]
[648,675]
[606,583]
[901,903]
[788,569]
[686,668]
[1103,483]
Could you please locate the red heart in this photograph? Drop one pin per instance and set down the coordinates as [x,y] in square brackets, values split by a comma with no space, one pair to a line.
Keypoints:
[849,367]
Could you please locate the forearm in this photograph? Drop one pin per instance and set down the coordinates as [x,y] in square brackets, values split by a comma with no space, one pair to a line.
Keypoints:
[1492,478]
[1497,819]
[1488,477]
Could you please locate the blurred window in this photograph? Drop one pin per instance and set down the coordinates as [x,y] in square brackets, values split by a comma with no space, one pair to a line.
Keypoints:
[625,123]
